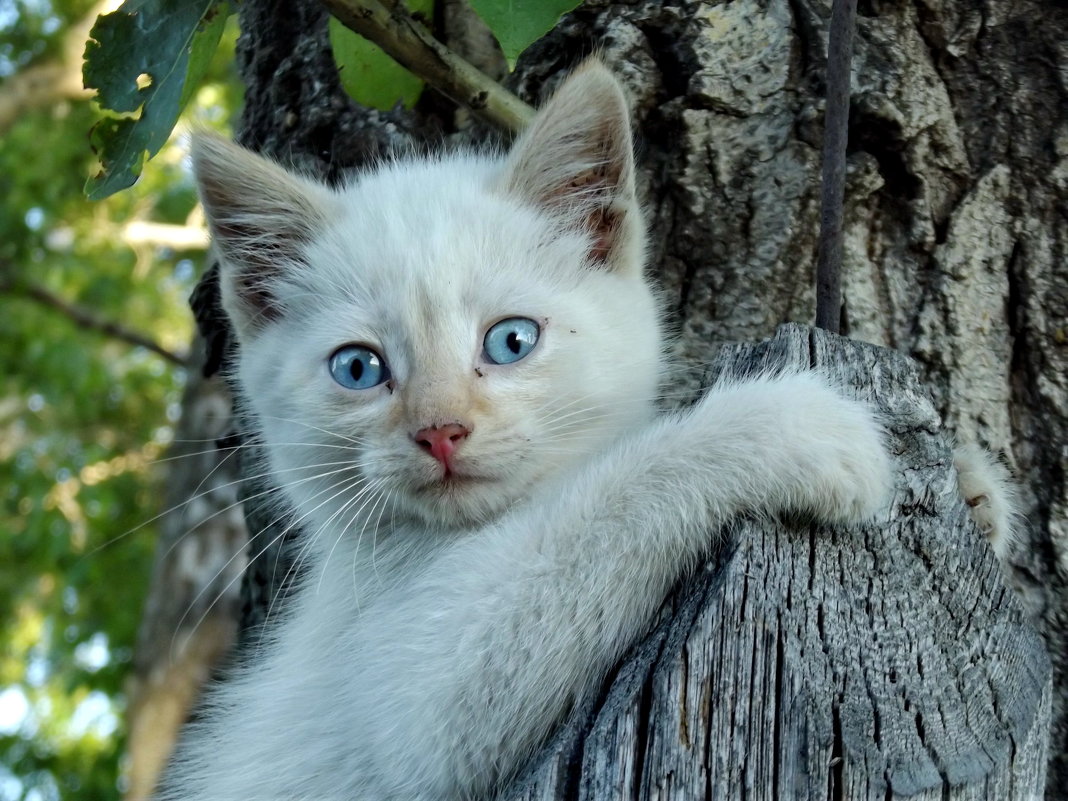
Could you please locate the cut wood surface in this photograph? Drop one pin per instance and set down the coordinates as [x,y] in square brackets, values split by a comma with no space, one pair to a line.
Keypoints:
[881,661]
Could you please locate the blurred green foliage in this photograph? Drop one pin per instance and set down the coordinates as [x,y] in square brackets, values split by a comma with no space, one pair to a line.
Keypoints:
[83,415]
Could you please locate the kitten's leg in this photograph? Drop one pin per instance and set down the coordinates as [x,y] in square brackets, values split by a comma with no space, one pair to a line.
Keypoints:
[465,671]
[988,488]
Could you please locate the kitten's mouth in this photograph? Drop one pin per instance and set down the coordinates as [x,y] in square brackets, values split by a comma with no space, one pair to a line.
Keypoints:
[451,480]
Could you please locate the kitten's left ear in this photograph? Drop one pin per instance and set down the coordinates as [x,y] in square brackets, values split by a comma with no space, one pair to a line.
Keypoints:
[576,161]
[261,218]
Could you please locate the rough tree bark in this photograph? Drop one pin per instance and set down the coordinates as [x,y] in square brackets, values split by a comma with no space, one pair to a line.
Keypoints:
[191,615]
[957,226]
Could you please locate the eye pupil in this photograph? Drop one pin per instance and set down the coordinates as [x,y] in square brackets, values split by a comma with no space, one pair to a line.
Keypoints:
[358,367]
[510,340]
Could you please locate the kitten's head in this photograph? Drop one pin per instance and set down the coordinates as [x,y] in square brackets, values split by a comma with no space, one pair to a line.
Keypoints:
[438,337]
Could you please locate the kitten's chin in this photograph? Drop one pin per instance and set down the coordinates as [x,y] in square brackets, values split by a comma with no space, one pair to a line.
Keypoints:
[459,501]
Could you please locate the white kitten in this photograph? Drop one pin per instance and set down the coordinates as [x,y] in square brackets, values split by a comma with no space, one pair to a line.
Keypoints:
[454,364]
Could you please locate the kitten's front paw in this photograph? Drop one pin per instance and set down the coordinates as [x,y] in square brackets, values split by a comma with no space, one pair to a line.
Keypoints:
[845,474]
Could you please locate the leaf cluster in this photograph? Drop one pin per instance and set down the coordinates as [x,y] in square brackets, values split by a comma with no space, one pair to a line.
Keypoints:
[146,60]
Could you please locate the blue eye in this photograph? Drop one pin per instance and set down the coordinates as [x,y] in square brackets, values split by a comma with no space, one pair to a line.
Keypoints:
[357,367]
[510,340]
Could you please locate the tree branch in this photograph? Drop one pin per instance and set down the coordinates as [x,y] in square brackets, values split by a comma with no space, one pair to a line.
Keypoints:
[86,319]
[390,26]
[832,195]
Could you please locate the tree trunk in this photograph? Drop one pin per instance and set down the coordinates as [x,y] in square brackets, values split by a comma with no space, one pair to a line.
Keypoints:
[190,621]
[957,202]
[876,663]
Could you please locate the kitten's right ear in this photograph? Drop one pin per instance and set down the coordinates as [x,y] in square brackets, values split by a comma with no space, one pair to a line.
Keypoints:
[576,162]
[261,217]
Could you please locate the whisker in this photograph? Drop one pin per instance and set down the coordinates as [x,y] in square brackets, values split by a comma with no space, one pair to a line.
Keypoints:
[305,549]
[197,495]
[393,496]
[374,536]
[271,489]
[206,452]
[246,446]
[372,489]
[315,428]
[258,554]
[575,425]
[309,539]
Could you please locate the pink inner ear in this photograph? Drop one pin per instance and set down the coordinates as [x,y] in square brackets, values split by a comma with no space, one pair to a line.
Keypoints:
[602,223]
[593,189]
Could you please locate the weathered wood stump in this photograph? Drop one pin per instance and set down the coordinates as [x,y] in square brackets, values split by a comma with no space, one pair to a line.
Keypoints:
[879,662]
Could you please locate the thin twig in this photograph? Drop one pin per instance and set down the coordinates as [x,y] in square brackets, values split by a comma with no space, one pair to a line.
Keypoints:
[835,135]
[86,319]
[408,42]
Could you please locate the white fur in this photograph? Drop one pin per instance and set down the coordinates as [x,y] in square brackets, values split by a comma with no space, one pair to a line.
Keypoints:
[442,630]
[988,488]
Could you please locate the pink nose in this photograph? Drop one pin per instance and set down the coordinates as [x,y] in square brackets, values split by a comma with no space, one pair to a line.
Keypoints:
[441,441]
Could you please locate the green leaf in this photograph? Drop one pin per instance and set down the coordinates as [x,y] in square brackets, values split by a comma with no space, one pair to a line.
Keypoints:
[517,24]
[205,43]
[145,60]
[371,77]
